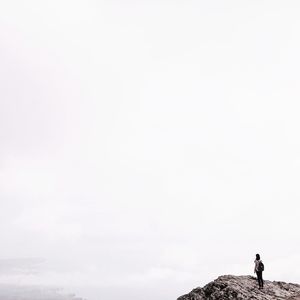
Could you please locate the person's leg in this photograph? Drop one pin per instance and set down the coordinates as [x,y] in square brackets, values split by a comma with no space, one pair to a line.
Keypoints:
[262,281]
[259,279]
[257,274]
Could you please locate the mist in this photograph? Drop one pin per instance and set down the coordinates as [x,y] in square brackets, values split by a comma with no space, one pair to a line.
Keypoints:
[147,147]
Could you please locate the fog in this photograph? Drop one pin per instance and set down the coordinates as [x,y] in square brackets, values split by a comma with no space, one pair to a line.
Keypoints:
[147,147]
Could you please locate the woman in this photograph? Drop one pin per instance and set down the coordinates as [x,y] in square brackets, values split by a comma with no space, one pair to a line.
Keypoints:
[258,269]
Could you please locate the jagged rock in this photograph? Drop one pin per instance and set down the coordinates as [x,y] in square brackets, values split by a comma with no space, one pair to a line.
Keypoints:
[243,288]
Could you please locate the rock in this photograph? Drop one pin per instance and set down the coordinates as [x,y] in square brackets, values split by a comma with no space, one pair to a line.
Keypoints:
[243,288]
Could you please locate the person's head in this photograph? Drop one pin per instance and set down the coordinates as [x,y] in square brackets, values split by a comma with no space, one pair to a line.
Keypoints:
[257,257]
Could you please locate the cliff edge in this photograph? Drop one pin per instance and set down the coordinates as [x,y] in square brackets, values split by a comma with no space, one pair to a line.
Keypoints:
[243,288]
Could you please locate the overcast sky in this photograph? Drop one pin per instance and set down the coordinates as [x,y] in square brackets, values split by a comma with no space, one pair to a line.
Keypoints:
[147,147]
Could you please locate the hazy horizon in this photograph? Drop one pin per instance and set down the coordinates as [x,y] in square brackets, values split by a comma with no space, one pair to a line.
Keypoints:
[147,147]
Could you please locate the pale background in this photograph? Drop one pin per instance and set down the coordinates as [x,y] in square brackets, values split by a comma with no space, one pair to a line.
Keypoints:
[148,147]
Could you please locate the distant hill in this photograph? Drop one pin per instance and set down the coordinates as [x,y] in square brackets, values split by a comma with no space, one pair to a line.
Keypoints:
[243,288]
[12,292]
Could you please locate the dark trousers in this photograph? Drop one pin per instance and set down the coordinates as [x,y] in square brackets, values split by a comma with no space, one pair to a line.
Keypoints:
[260,279]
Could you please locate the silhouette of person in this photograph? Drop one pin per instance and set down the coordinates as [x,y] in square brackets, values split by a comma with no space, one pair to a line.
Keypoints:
[258,270]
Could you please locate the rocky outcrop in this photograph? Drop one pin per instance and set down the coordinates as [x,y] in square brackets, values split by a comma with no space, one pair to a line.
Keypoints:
[243,288]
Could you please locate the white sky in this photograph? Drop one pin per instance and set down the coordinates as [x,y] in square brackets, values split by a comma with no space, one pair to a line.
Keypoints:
[147,147]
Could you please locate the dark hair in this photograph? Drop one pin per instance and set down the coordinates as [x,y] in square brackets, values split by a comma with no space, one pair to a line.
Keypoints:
[257,257]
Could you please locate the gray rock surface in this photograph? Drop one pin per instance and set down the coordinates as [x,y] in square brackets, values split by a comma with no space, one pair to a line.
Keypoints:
[243,288]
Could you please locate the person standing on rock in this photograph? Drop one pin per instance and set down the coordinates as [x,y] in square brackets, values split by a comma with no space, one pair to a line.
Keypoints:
[258,269]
